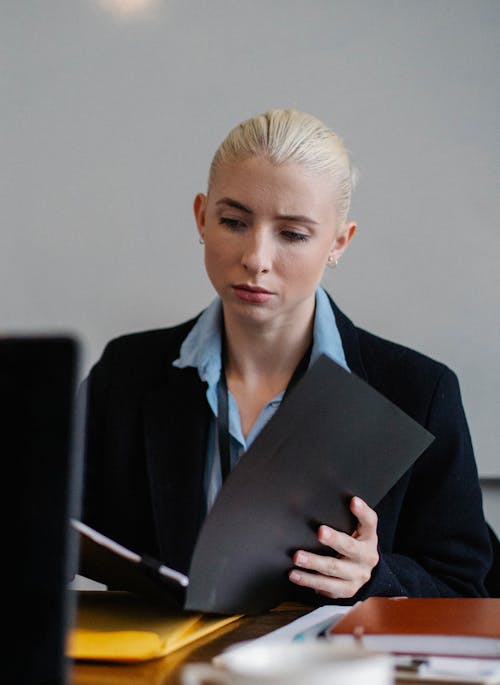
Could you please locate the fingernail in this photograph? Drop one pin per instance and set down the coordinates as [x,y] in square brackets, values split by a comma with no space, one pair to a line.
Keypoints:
[301,558]
[324,534]
[294,575]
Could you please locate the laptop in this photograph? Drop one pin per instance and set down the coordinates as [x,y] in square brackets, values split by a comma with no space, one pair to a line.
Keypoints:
[41,476]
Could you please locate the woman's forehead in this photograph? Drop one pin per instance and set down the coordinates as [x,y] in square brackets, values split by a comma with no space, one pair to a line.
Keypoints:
[257,179]
[259,188]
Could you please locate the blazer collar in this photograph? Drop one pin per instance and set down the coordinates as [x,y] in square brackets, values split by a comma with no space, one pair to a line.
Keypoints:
[349,335]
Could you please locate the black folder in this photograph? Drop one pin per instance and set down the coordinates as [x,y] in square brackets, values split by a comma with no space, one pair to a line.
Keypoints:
[333,437]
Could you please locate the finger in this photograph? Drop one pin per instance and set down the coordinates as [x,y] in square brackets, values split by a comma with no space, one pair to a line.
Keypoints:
[323,585]
[325,565]
[345,545]
[367,518]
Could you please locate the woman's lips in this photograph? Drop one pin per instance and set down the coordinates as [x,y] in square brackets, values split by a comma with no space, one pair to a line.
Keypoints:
[250,293]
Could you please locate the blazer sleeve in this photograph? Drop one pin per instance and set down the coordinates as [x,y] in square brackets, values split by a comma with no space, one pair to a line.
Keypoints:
[93,391]
[441,546]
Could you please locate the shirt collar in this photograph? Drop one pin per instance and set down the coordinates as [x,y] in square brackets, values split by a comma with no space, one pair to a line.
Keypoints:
[201,348]
[326,336]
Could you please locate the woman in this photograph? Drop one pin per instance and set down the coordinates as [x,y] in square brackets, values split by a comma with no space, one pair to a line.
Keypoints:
[275,214]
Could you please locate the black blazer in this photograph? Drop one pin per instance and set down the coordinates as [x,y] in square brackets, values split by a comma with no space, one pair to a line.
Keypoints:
[146,434]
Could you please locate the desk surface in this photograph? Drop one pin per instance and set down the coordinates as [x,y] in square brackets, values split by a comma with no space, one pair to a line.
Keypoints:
[167,670]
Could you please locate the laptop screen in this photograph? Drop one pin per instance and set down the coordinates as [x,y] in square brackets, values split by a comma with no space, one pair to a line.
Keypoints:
[41,466]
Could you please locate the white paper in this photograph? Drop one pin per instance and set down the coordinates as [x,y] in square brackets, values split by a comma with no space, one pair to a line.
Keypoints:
[437,669]
[300,625]
[426,645]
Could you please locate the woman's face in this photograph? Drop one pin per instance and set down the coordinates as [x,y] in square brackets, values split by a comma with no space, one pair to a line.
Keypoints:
[268,233]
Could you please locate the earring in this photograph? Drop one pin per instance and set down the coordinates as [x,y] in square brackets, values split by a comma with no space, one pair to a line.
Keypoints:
[201,241]
[331,261]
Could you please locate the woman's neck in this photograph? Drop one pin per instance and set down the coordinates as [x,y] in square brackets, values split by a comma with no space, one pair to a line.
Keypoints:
[260,361]
[267,347]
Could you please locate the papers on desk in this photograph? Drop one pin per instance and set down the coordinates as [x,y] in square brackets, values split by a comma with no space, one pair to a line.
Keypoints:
[434,639]
[443,669]
[412,662]
[455,626]
[120,627]
[306,627]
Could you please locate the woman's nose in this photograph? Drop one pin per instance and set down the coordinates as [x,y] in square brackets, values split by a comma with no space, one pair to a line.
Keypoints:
[257,255]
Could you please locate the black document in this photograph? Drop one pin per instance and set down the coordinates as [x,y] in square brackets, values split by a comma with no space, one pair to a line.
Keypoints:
[333,437]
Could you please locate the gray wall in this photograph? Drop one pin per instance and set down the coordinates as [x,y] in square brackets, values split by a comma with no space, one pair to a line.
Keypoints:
[109,122]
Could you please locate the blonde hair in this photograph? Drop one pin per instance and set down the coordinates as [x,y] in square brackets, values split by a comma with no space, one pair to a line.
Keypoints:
[288,135]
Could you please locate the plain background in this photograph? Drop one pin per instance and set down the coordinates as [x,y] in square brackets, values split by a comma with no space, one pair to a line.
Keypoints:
[110,118]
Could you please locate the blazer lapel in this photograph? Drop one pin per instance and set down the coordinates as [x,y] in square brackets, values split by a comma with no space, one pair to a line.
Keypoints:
[350,342]
[176,419]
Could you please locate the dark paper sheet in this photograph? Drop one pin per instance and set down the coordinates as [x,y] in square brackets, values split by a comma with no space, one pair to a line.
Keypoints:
[333,437]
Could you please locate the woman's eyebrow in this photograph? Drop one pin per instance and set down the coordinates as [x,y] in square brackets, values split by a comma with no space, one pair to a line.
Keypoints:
[233,203]
[296,218]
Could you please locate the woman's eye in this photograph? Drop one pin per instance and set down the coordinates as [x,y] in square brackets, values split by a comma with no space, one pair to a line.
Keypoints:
[294,236]
[233,224]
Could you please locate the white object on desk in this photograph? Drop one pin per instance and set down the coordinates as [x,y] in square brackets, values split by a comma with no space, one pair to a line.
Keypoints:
[425,645]
[446,669]
[292,663]
[432,668]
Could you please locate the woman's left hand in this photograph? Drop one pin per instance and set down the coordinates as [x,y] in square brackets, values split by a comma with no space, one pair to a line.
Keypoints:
[341,576]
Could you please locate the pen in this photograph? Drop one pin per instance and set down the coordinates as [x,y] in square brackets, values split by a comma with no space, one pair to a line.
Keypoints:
[317,630]
[410,664]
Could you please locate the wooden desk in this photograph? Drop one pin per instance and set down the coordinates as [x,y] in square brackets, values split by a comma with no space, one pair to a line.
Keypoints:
[166,671]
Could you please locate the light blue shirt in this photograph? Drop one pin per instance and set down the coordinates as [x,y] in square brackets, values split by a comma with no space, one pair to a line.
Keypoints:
[201,349]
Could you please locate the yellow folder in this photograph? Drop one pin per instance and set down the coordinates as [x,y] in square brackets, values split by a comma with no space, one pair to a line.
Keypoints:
[121,627]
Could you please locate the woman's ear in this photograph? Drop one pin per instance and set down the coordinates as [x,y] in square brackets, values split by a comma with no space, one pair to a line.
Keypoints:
[199,208]
[342,240]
